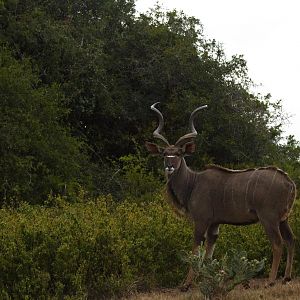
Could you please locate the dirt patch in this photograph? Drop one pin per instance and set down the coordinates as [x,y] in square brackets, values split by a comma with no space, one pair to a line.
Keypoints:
[257,291]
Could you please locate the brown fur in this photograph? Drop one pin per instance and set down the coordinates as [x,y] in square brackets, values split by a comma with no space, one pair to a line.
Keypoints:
[219,195]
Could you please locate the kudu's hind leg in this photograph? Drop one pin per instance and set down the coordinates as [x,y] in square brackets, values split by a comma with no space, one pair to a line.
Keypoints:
[288,238]
[273,233]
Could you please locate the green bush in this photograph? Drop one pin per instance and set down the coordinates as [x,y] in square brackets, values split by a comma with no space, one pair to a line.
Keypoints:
[89,250]
[99,249]
[73,250]
[130,177]
[136,179]
[249,238]
[156,238]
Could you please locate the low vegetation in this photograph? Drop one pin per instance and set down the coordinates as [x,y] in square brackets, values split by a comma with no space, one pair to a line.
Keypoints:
[216,278]
[98,249]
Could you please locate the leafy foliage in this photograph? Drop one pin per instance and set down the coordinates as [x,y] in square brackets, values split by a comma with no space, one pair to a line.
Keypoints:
[38,155]
[96,248]
[89,250]
[99,67]
[216,278]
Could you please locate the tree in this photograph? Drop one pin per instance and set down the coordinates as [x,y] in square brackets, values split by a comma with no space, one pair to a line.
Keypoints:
[111,65]
[37,154]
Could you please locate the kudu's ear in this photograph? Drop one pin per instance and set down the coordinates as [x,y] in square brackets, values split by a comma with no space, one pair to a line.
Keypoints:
[188,148]
[153,148]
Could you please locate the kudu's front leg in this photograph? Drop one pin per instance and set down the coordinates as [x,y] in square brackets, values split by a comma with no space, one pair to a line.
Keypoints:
[211,238]
[199,238]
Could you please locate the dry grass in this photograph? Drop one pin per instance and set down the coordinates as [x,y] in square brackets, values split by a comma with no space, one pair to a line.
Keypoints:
[257,291]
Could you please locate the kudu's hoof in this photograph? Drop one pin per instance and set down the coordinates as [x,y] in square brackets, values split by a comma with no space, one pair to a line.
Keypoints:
[246,285]
[184,288]
[286,280]
[269,284]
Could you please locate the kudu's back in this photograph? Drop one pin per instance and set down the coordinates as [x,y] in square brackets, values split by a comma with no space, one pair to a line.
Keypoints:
[243,196]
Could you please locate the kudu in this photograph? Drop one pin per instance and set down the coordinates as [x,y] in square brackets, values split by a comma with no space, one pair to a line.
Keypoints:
[219,195]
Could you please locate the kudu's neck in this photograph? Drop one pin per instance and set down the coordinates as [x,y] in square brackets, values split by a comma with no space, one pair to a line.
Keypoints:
[180,184]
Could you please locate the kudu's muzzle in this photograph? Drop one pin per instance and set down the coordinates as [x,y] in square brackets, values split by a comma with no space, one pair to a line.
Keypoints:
[169,164]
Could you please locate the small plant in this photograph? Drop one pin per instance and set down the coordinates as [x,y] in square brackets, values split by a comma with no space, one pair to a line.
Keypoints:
[216,278]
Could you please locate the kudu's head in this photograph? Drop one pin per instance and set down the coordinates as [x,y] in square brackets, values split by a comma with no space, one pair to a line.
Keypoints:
[173,154]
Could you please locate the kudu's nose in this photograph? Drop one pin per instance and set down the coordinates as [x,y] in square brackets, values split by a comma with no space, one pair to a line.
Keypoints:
[169,168]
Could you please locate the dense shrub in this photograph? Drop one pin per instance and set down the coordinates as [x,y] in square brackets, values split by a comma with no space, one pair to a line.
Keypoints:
[72,250]
[98,249]
[89,250]
[155,239]
[136,179]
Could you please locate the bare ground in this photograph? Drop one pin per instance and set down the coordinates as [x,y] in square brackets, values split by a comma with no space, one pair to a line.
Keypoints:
[257,291]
